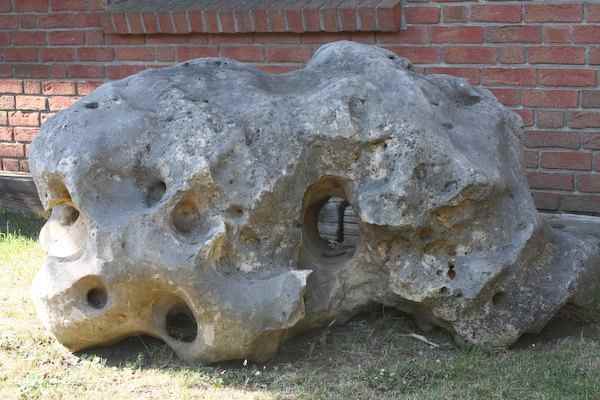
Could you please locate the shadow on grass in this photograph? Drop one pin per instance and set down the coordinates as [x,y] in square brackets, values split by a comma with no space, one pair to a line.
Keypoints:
[22,224]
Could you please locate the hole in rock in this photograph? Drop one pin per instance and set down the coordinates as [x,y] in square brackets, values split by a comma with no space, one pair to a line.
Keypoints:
[181,324]
[498,298]
[91,105]
[444,290]
[66,215]
[338,226]
[235,211]
[186,215]
[331,227]
[97,298]
[451,271]
[155,192]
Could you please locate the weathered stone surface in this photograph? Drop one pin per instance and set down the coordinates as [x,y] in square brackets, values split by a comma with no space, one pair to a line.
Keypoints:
[187,204]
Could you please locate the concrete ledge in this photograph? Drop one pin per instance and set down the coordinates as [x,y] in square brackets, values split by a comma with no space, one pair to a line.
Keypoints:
[581,224]
[18,193]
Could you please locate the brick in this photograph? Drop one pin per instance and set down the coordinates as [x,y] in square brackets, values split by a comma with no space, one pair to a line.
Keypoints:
[10,165]
[508,76]
[422,15]
[508,97]
[556,55]
[84,71]
[328,19]
[28,38]
[31,87]
[169,39]
[511,55]
[165,23]
[584,119]
[580,203]
[470,55]
[8,22]
[543,139]
[453,14]
[591,141]
[514,34]
[7,102]
[122,71]
[243,53]
[94,38]
[19,54]
[58,103]
[590,99]
[588,183]
[11,86]
[595,56]
[543,180]
[23,165]
[135,54]
[6,133]
[95,54]
[557,34]
[411,35]
[58,88]
[463,34]
[367,18]
[593,12]
[68,20]
[288,54]
[5,6]
[12,150]
[496,13]
[550,119]
[572,160]
[586,34]
[31,71]
[30,102]
[85,88]
[531,159]
[553,12]
[57,71]
[546,201]
[4,38]
[65,37]
[23,118]
[31,5]
[567,77]
[135,22]
[45,116]
[389,15]
[471,74]
[550,98]
[57,54]
[25,134]
[127,40]
[186,53]
[181,23]
[150,22]
[68,5]
[417,55]
[166,54]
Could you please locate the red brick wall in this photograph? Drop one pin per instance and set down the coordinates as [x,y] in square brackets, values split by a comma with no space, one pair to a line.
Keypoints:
[540,58]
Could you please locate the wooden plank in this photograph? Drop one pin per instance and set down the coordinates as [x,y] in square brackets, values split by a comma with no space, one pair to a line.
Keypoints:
[18,193]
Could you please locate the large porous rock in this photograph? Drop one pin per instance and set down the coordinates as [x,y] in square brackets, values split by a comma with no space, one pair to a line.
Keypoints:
[222,209]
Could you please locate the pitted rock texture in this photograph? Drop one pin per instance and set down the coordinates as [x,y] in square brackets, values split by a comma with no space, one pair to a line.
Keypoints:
[187,204]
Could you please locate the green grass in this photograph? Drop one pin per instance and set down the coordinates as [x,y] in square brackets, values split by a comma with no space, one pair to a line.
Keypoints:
[369,358]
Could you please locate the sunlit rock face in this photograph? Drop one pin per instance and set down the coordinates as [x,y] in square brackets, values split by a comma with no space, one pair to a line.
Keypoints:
[223,209]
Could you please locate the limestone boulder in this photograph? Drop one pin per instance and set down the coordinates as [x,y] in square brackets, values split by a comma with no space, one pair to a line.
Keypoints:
[223,209]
